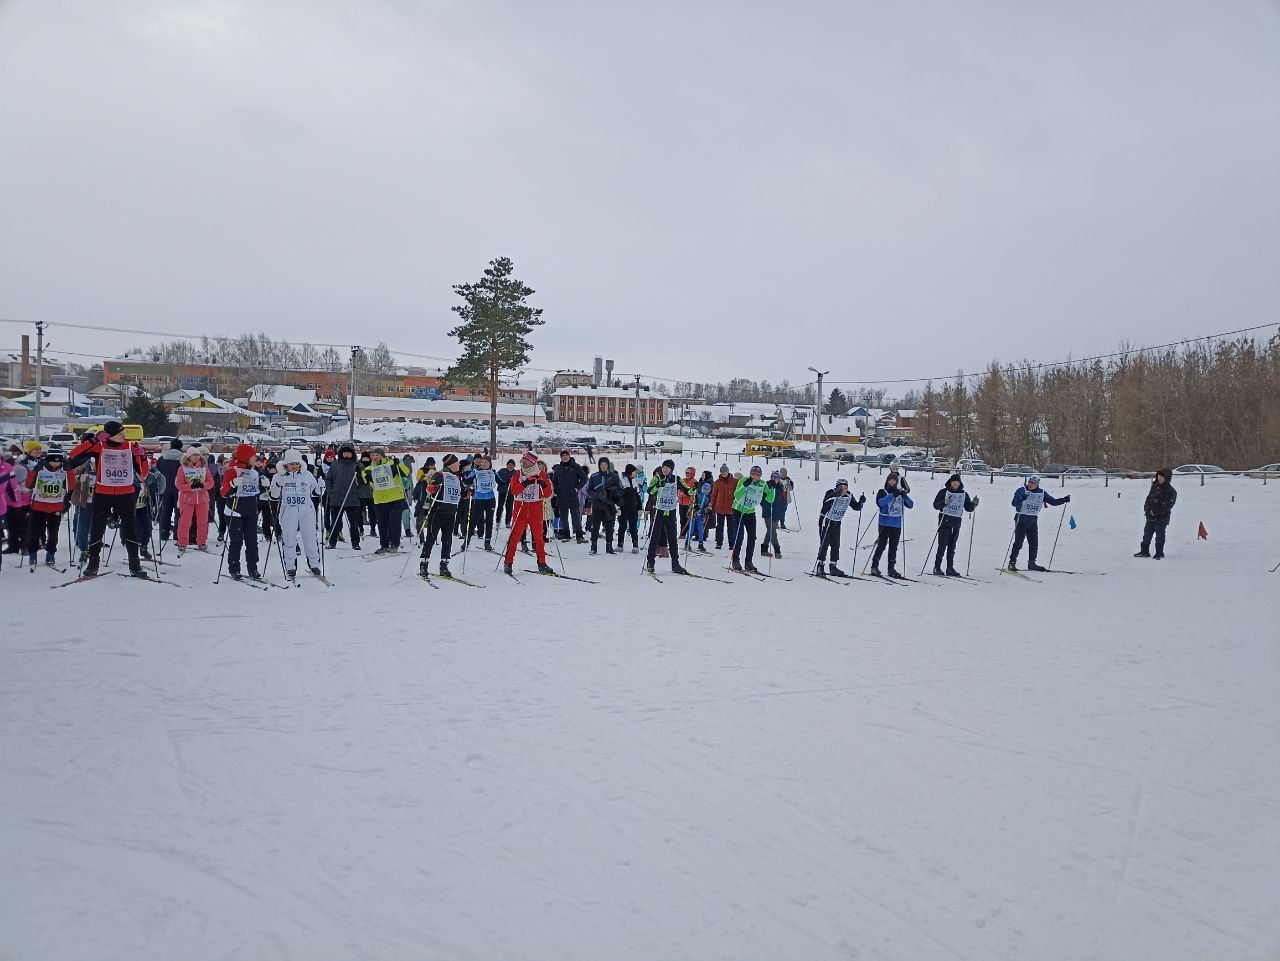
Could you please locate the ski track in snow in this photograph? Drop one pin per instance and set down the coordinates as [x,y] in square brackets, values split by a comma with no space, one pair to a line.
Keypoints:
[1084,768]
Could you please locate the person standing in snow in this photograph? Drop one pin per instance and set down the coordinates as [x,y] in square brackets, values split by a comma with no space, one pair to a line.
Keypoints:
[194,481]
[605,490]
[167,465]
[121,467]
[1157,508]
[567,478]
[445,492]
[529,486]
[503,511]
[835,504]
[771,512]
[342,498]
[722,491]
[749,493]
[242,486]
[631,490]
[293,489]
[484,499]
[1028,501]
[780,510]
[385,479]
[892,499]
[951,503]
[664,495]
[49,488]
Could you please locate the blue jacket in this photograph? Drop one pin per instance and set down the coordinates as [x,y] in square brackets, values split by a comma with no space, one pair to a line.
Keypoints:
[1021,494]
[891,513]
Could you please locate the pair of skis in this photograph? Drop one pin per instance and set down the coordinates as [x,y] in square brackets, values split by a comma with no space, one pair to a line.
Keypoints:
[687,573]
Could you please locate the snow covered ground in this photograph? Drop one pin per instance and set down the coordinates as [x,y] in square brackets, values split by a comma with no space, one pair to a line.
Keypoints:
[1082,768]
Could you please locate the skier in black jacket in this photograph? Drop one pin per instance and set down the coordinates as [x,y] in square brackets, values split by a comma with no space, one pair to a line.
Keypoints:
[835,504]
[951,503]
[605,492]
[1158,508]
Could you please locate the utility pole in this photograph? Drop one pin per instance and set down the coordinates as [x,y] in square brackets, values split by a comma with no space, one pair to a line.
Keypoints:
[40,325]
[635,418]
[351,399]
[817,423]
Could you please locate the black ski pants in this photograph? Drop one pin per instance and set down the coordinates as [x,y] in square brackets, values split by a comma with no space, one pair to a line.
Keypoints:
[42,528]
[443,518]
[120,507]
[948,538]
[629,523]
[602,516]
[242,532]
[333,524]
[482,511]
[1029,531]
[1154,529]
[665,534]
[722,521]
[743,527]
[389,523]
[887,537]
[829,532]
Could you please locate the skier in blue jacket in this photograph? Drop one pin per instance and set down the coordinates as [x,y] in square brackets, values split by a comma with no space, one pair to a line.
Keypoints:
[1028,501]
[891,499]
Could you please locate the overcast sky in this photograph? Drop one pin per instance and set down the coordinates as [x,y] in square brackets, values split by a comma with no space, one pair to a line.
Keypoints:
[698,190]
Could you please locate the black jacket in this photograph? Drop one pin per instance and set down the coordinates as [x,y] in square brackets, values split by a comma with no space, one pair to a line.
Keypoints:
[567,478]
[604,488]
[1159,503]
[829,499]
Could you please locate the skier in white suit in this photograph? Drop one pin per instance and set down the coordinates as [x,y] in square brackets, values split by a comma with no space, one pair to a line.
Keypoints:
[292,489]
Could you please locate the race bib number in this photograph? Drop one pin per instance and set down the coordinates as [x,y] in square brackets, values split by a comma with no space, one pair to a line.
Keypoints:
[1032,505]
[486,482]
[668,497]
[751,497]
[294,500]
[50,487]
[451,492]
[381,477]
[194,474]
[117,467]
[250,483]
[531,493]
[838,508]
[953,505]
[894,509]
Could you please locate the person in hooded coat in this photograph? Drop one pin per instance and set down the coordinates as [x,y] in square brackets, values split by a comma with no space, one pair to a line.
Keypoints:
[342,497]
[605,492]
[1158,509]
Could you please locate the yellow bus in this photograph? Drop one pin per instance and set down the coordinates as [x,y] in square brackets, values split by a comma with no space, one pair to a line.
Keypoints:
[132,432]
[769,448]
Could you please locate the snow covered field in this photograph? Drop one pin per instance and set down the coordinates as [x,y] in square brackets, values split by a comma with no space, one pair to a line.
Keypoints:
[1087,767]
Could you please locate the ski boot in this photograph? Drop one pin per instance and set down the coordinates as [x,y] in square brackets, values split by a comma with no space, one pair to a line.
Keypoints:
[48,559]
[608,549]
[778,554]
[1142,553]
[1158,557]
[317,572]
[444,569]
[506,569]
[648,566]
[593,551]
[488,547]
[90,569]
[254,575]
[1033,566]
[894,575]
[765,554]
[751,569]
[1012,566]
[424,569]
[203,548]
[875,572]
[579,539]
[291,575]
[677,569]
[736,565]
[545,568]
[835,571]
[138,572]
[937,571]
[380,550]
[702,549]
[146,553]
[952,572]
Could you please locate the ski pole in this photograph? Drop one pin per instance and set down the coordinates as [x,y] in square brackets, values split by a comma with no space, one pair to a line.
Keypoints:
[515,518]
[1061,518]
[824,523]
[973,520]
[426,520]
[110,547]
[648,543]
[235,503]
[1008,547]
[151,536]
[337,521]
[467,537]
[857,536]
[1274,569]
[931,543]
[796,504]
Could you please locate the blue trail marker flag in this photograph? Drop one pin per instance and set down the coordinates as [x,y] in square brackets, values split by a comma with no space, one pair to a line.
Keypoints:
[1072,522]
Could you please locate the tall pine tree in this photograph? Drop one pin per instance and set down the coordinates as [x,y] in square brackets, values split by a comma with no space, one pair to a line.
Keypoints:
[496,323]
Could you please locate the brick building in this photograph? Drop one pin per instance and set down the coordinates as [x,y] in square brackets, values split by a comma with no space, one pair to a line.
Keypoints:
[608,405]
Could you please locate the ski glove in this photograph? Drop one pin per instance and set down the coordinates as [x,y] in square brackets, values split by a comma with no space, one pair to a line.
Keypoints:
[1067,499]
[975,503]
[862,500]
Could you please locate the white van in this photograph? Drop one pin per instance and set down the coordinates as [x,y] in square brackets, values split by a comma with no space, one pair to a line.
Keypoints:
[668,447]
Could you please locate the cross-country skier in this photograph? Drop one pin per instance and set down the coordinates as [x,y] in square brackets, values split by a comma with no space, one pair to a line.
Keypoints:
[195,482]
[529,486]
[771,512]
[242,486]
[605,490]
[292,489]
[49,486]
[891,499]
[445,491]
[1028,502]
[835,504]
[121,465]
[385,479]
[504,491]
[664,494]
[484,500]
[1157,508]
[632,489]
[342,498]
[751,490]
[951,503]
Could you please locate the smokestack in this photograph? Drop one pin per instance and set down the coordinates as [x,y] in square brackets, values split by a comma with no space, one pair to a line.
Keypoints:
[597,372]
[608,373]
[26,359]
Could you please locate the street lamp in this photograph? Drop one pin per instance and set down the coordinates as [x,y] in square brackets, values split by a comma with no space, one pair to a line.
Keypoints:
[817,423]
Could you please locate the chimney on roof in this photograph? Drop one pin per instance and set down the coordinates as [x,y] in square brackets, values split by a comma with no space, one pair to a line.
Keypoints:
[26,359]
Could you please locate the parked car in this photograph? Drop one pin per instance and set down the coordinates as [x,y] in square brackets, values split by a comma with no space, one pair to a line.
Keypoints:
[1020,470]
[1085,472]
[1054,469]
[1126,472]
[874,442]
[1266,470]
[1209,469]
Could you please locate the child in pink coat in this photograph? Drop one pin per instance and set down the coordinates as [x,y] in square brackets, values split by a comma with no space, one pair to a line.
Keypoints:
[195,480]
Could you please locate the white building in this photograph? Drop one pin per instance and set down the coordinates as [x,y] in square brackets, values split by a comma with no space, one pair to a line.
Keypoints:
[450,411]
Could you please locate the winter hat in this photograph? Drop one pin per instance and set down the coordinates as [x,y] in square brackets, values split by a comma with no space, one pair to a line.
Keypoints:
[1033,479]
[690,471]
[33,447]
[112,427]
[955,477]
[669,464]
[1165,473]
[347,447]
[244,453]
[529,457]
[604,461]
[380,451]
[755,469]
[449,460]
[775,476]
[290,456]
[841,480]
[629,469]
[724,468]
[175,444]
[54,455]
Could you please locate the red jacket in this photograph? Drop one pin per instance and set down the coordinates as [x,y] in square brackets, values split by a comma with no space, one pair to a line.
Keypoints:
[50,507]
[518,484]
[112,466]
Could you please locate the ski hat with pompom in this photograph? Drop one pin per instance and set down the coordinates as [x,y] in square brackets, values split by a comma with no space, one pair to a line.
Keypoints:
[529,457]
[244,453]
[775,476]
